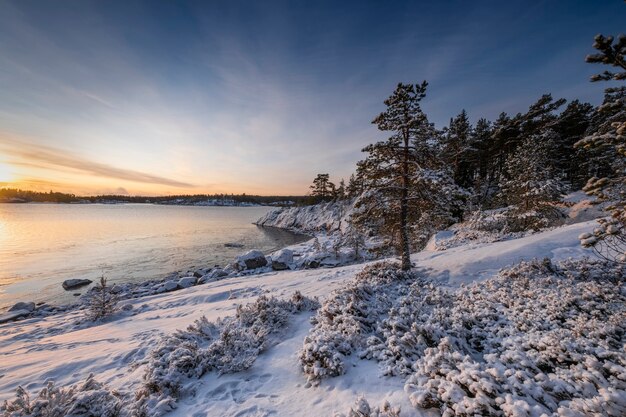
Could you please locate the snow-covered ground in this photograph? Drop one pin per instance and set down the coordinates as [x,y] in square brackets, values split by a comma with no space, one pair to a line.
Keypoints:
[65,349]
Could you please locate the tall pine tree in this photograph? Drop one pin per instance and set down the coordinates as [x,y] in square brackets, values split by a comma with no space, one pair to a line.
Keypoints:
[404,187]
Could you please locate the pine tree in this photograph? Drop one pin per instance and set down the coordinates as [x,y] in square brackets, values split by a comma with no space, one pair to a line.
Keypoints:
[484,185]
[322,187]
[608,138]
[571,126]
[529,184]
[354,187]
[609,54]
[404,189]
[340,192]
[607,143]
[458,151]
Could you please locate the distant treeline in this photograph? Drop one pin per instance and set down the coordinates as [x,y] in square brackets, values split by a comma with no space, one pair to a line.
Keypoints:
[14,195]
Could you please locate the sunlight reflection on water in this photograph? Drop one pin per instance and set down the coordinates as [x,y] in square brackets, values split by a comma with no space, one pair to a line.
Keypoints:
[43,244]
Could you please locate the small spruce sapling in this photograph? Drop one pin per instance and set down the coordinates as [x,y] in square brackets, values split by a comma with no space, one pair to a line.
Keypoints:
[103,302]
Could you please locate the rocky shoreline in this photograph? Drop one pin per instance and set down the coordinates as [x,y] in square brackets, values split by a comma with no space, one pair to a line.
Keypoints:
[252,262]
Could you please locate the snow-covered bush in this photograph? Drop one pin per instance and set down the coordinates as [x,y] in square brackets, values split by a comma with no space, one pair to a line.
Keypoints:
[102,301]
[362,408]
[499,224]
[348,317]
[87,399]
[228,345]
[539,339]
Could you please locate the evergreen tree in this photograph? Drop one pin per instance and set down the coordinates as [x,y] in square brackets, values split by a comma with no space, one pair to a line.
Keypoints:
[322,187]
[483,183]
[354,187]
[340,192]
[404,187]
[102,302]
[529,184]
[607,143]
[571,126]
[609,54]
[458,151]
[608,137]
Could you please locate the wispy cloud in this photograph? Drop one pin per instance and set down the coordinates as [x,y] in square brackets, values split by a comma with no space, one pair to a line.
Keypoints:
[45,157]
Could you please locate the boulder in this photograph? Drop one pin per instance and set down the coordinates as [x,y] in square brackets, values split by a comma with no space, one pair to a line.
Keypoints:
[251,260]
[12,315]
[214,275]
[69,284]
[23,306]
[282,259]
[187,282]
[170,286]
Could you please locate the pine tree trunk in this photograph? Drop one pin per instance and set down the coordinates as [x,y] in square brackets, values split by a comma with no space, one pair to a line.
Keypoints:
[404,208]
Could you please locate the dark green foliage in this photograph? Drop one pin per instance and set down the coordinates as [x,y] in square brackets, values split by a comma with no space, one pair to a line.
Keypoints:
[406,189]
[323,188]
[609,54]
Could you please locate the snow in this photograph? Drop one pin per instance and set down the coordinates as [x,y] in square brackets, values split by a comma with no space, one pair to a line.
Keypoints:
[65,348]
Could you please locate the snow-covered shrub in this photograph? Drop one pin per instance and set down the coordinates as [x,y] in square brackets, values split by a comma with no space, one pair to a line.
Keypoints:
[519,220]
[416,321]
[539,339]
[499,224]
[228,345]
[348,317]
[87,399]
[102,301]
[362,408]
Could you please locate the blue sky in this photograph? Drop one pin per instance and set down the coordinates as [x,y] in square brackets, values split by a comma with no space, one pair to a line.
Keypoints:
[226,96]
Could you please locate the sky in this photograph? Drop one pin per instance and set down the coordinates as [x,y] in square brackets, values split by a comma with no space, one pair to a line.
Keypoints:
[185,97]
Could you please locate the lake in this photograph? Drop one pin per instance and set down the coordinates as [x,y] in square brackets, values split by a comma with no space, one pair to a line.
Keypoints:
[41,245]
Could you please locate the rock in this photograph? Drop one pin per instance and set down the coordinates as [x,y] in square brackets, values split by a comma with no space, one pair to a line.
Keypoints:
[12,315]
[23,306]
[214,275]
[170,286]
[199,274]
[282,259]
[75,283]
[251,260]
[116,289]
[76,294]
[187,282]
[313,263]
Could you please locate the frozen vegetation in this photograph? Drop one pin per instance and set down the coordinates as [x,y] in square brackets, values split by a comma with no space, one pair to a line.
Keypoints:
[482,328]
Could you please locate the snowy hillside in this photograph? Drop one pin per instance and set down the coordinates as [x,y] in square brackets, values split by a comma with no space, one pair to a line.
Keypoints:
[324,217]
[125,352]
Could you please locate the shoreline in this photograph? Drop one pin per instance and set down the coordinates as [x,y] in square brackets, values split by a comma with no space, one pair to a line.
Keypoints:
[145,288]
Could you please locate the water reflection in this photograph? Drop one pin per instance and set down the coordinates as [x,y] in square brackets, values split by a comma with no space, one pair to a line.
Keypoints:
[41,245]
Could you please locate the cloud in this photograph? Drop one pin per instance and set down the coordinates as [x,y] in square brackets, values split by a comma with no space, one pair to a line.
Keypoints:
[28,154]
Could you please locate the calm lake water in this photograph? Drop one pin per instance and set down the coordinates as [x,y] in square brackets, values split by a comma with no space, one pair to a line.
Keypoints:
[41,245]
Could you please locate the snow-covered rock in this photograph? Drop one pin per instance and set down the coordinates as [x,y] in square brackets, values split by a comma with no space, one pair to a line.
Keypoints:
[323,217]
[214,275]
[30,306]
[170,286]
[70,284]
[282,259]
[250,260]
[12,315]
[187,282]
